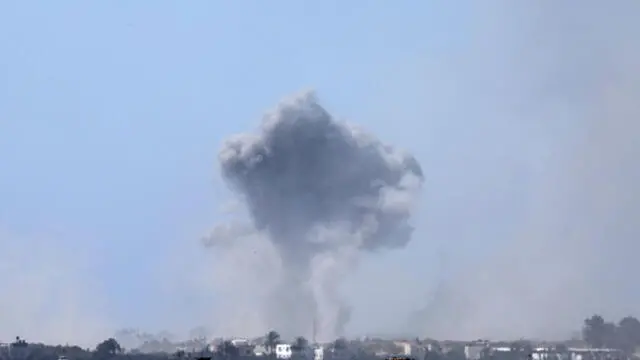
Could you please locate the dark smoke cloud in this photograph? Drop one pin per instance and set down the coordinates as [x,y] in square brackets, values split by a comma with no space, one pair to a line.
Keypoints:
[317,171]
[321,191]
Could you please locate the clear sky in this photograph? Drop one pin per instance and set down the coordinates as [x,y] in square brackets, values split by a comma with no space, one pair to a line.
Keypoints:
[112,112]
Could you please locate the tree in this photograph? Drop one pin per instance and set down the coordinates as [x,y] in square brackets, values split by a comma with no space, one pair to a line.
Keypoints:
[227,350]
[340,344]
[271,340]
[109,347]
[594,331]
[628,334]
[300,343]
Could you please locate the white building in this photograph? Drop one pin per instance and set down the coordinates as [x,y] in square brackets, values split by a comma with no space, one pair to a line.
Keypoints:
[240,342]
[474,351]
[260,350]
[405,347]
[244,347]
[286,351]
[283,351]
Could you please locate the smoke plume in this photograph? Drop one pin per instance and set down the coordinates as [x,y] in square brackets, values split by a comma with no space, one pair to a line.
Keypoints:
[568,71]
[319,193]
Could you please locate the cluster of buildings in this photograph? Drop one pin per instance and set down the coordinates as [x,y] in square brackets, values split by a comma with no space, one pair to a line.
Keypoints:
[420,350]
[286,351]
[247,348]
[480,349]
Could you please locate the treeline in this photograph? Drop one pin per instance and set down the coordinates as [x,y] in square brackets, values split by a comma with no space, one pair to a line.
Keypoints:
[623,335]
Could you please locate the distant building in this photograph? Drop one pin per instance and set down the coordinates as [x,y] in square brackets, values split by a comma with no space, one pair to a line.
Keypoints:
[405,347]
[260,350]
[414,350]
[5,351]
[287,351]
[475,350]
[244,346]
[283,351]
[600,354]
[240,342]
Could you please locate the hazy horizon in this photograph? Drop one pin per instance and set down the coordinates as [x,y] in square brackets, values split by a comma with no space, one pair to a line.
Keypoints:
[112,116]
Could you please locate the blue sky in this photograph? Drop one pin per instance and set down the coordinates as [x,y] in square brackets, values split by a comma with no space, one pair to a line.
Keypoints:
[111,114]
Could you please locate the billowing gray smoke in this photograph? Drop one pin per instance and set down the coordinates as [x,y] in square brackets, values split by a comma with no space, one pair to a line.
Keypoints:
[321,191]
